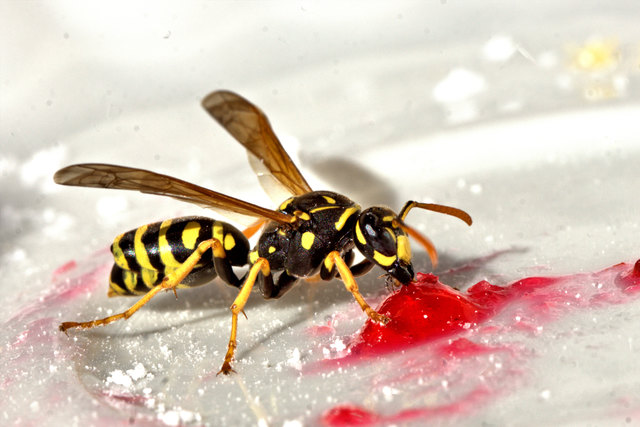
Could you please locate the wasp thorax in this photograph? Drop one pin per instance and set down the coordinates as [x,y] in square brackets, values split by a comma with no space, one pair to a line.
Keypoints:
[382,241]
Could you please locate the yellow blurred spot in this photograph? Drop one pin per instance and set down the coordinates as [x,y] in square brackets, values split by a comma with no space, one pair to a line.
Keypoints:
[596,54]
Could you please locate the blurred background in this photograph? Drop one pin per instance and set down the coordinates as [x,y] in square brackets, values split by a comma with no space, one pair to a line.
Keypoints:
[525,115]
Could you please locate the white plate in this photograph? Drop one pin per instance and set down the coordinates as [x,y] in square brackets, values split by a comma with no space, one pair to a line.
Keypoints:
[491,118]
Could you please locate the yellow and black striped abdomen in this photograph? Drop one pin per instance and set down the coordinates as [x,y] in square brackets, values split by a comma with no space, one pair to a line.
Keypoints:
[144,256]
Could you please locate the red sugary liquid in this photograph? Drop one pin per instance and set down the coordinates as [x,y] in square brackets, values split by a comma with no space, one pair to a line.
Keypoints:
[353,415]
[629,280]
[427,311]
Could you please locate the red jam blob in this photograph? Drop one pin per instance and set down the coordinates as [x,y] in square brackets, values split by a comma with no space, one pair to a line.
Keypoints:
[427,310]
[422,310]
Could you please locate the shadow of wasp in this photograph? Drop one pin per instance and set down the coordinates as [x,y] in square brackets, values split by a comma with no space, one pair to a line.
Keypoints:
[311,233]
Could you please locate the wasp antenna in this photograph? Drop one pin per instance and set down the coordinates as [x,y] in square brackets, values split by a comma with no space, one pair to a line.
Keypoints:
[423,240]
[448,210]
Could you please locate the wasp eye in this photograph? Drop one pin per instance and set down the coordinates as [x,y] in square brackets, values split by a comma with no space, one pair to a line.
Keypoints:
[377,234]
[385,243]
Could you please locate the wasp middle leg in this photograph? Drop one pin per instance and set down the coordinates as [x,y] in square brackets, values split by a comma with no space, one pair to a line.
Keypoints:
[260,266]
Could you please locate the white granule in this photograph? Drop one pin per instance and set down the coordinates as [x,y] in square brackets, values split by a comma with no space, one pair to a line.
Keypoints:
[294,361]
[338,345]
[138,371]
[120,378]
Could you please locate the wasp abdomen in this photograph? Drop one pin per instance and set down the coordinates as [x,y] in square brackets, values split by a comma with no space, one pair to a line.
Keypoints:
[145,255]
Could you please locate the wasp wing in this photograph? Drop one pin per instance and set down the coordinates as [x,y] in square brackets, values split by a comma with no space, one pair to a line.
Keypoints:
[251,128]
[125,178]
[276,191]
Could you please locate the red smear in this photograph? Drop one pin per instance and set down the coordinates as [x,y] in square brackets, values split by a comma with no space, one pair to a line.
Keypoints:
[320,330]
[123,400]
[327,329]
[454,323]
[629,280]
[64,268]
[65,289]
[462,347]
[351,415]
[140,406]
[35,332]
[427,309]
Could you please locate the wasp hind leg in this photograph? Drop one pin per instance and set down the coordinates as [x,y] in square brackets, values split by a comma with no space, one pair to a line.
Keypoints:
[260,266]
[170,282]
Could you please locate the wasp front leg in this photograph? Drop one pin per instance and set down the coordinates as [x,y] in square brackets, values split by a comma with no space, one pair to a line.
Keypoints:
[335,260]
[260,266]
[359,269]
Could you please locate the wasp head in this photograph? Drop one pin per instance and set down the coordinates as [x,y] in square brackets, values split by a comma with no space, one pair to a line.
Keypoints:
[381,239]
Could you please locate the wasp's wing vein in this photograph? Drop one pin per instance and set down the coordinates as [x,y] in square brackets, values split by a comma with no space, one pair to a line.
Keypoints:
[250,126]
[126,178]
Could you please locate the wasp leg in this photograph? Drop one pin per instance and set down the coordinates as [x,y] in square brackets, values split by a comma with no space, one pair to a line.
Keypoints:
[169,282]
[363,267]
[334,259]
[357,270]
[328,270]
[260,266]
[273,291]
[223,267]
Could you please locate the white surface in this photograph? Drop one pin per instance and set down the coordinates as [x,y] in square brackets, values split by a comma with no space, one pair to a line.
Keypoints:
[473,106]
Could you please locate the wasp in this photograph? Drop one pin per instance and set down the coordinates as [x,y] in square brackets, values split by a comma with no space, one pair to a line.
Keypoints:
[312,233]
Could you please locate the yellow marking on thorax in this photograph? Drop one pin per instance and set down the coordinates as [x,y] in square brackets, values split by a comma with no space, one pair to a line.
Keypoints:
[404,249]
[229,242]
[328,264]
[359,235]
[190,234]
[302,215]
[164,248]
[345,216]
[284,204]
[118,255]
[218,231]
[218,234]
[322,208]
[388,218]
[271,249]
[383,260]
[329,199]
[142,257]
[307,239]
[253,256]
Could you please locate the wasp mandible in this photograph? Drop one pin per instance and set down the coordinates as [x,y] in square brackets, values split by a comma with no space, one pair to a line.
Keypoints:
[311,233]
